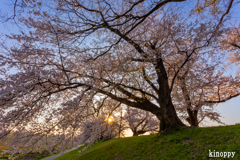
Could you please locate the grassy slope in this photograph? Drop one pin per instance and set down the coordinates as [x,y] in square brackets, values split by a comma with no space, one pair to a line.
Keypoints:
[185,144]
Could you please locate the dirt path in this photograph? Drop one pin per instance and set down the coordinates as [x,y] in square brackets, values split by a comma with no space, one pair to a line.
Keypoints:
[59,154]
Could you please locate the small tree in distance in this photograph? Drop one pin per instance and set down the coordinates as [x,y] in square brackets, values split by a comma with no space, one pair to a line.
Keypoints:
[140,121]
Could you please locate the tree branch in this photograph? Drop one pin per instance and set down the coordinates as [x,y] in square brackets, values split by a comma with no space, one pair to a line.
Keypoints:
[224,100]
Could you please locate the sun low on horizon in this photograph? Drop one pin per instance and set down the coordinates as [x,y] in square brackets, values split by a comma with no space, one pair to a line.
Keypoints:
[110,120]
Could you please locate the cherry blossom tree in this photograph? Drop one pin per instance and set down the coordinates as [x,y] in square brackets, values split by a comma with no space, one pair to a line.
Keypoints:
[133,52]
[140,121]
[104,124]
[203,88]
[231,43]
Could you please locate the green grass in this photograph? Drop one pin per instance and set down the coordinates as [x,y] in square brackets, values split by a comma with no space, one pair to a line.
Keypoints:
[185,144]
[27,156]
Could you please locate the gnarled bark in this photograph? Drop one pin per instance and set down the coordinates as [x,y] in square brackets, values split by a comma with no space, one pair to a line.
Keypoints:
[192,114]
[168,120]
[192,119]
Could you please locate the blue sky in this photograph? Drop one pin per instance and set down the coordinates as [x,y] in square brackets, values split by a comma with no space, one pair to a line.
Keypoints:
[230,110]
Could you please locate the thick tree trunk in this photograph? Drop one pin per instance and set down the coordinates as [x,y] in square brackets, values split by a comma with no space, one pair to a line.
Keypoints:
[165,112]
[192,114]
[169,120]
[192,119]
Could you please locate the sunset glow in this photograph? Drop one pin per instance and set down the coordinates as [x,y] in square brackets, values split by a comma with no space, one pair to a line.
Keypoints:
[110,120]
